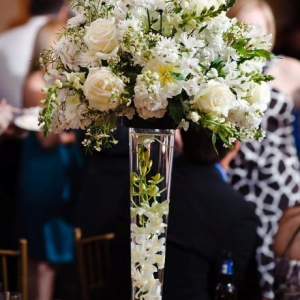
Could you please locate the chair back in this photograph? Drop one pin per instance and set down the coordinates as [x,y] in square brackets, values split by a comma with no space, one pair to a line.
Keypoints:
[21,257]
[93,261]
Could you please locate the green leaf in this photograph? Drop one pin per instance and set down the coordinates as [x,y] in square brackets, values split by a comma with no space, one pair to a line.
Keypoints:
[264,53]
[176,110]
[177,76]
[214,140]
[241,50]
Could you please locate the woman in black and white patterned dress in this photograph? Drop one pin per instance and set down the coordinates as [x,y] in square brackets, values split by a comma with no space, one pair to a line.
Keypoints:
[267,173]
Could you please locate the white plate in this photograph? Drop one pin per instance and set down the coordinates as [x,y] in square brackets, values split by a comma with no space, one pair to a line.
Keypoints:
[28,122]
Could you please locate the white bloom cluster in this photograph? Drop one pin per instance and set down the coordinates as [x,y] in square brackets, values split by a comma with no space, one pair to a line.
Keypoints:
[184,59]
[148,249]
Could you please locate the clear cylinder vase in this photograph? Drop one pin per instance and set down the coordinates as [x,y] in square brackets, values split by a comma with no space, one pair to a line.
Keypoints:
[151,158]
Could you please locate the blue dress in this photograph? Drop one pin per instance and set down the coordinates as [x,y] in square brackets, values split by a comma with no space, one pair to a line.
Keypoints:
[46,179]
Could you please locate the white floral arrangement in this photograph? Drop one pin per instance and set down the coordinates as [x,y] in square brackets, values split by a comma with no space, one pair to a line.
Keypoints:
[180,60]
[183,59]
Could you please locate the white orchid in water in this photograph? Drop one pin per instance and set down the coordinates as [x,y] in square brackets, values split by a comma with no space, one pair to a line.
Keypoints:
[149,213]
[154,59]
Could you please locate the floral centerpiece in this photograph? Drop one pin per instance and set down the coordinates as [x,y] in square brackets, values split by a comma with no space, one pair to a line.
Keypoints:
[181,60]
[155,58]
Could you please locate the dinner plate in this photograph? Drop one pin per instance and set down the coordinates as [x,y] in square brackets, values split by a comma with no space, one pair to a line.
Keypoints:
[28,122]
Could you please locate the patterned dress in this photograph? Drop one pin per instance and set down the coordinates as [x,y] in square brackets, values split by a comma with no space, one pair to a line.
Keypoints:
[267,173]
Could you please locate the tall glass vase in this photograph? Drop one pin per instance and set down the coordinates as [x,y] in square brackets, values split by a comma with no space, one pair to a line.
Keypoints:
[151,157]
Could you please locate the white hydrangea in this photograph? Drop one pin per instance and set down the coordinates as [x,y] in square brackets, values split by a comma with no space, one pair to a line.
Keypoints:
[76,21]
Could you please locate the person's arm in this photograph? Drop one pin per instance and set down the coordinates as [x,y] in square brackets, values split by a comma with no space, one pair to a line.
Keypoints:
[244,248]
[6,115]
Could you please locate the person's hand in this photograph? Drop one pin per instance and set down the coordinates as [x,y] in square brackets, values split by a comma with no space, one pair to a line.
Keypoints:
[67,137]
[12,131]
[53,139]
[7,128]
[6,115]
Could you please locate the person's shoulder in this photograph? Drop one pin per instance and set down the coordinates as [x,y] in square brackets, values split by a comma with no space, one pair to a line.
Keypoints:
[11,34]
[236,202]
[37,22]
[21,31]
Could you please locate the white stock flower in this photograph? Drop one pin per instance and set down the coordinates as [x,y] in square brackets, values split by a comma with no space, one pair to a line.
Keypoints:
[184,124]
[194,116]
[100,87]
[52,76]
[75,111]
[196,6]
[62,94]
[253,65]
[245,116]
[59,123]
[151,4]
[168,49]
[75,79]
[89,59]
[150,99]
[76,21]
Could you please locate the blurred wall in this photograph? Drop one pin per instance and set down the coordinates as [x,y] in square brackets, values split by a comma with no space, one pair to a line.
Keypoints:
[287,15]
[12,13]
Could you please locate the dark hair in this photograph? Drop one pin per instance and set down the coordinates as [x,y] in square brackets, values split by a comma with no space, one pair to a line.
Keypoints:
[43,7]
[198,146]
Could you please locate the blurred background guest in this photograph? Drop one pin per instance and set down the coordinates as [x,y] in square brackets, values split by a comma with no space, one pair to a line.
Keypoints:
[16,46]
[267,173]
[47,173]
[206,217]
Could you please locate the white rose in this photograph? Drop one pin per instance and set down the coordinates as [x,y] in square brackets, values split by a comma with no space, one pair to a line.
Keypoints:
[101,36]
[100,86]
[260,94]
[214,98]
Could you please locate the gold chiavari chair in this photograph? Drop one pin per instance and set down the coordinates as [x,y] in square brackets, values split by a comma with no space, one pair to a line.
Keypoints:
[21,256]
[93,261]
